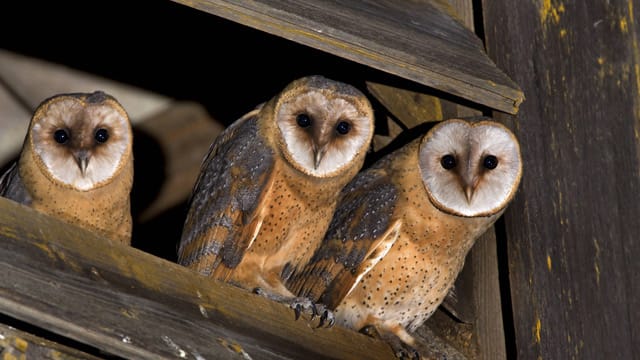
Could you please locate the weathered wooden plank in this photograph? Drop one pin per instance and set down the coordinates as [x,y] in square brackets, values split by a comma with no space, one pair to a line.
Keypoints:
[16,344]
[135,305]
[415,40]
[409,107]
[488,323]
[573,229]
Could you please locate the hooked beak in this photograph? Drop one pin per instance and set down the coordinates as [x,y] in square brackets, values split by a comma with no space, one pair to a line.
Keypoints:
[470,188]
[82,159]
[318,154]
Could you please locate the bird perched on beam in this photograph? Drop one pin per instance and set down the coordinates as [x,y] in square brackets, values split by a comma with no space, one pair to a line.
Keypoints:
[269,184]
[403,227]
[76,164]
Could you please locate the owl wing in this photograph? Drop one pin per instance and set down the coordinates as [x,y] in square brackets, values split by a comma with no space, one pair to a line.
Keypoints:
[11,186]
[225,213]
[361,232]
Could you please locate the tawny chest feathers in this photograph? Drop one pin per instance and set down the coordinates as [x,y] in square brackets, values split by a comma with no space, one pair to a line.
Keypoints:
[413,278]
[105,210]
[296,213]
[408,284]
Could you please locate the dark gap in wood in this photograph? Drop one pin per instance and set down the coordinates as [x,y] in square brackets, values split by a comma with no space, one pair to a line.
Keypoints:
[478,20]
[57,338]
[505,289]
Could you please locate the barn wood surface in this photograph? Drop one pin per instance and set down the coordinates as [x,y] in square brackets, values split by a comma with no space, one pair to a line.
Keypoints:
[416,40]
[573,230]
[135,305]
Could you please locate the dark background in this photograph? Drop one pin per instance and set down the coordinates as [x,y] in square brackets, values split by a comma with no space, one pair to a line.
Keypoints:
[176,51]
[171,49]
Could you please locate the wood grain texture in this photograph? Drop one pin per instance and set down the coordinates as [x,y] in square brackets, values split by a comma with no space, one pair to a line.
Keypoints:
[482,261]
[16,344]
[135,305]
[573,229]
[415,40]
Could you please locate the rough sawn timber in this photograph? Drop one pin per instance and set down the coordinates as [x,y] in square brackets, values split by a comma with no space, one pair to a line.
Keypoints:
[416,40]
[135,305]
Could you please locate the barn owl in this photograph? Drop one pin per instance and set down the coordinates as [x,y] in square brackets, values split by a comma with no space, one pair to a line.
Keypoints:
[403,227]
[76,164]
[269,184]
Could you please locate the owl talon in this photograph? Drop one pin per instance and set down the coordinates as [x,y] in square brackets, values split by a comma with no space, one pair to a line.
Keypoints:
[302,304]
[297,310]
[407,353]
[326,316]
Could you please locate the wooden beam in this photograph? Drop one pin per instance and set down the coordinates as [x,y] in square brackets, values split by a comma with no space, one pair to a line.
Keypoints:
[415,40]
[135,305]
[17,344]
[573,229]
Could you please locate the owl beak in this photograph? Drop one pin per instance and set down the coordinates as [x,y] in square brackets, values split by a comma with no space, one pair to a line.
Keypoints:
[82,159]
[318,154]
[468,191]
[470,188]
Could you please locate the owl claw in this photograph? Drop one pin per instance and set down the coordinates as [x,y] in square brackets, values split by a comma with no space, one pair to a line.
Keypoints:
[326,315]
[408,353]
[297,310]
[302,304]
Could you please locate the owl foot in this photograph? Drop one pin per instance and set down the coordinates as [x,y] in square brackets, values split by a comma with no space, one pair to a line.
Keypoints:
[301,304]
[400,349]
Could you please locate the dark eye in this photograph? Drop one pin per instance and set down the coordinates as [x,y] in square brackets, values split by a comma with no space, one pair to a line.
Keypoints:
[490,162]
[303,120]
[448,162]
[102,135]
[61,136]
[343,128]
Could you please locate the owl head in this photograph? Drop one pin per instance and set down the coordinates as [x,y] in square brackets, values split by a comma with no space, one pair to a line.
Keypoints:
[470,168]
[80,140]
[326,126]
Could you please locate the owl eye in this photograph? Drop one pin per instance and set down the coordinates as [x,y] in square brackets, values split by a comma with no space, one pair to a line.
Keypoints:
[448,162]
[102,135]
[303,120]
[61,136]
[490,162]
[343,128]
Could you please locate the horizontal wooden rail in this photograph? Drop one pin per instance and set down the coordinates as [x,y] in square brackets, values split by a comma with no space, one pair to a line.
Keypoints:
[132,304]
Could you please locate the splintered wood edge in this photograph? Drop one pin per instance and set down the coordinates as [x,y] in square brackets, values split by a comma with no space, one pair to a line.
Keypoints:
[129,303]
[488,93]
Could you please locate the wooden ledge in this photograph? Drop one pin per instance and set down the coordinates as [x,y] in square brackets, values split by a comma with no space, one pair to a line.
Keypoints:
[132,304]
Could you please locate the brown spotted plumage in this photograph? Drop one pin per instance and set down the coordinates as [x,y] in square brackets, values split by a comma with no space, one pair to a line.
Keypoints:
[403,227]
[77,164]
[269,184]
